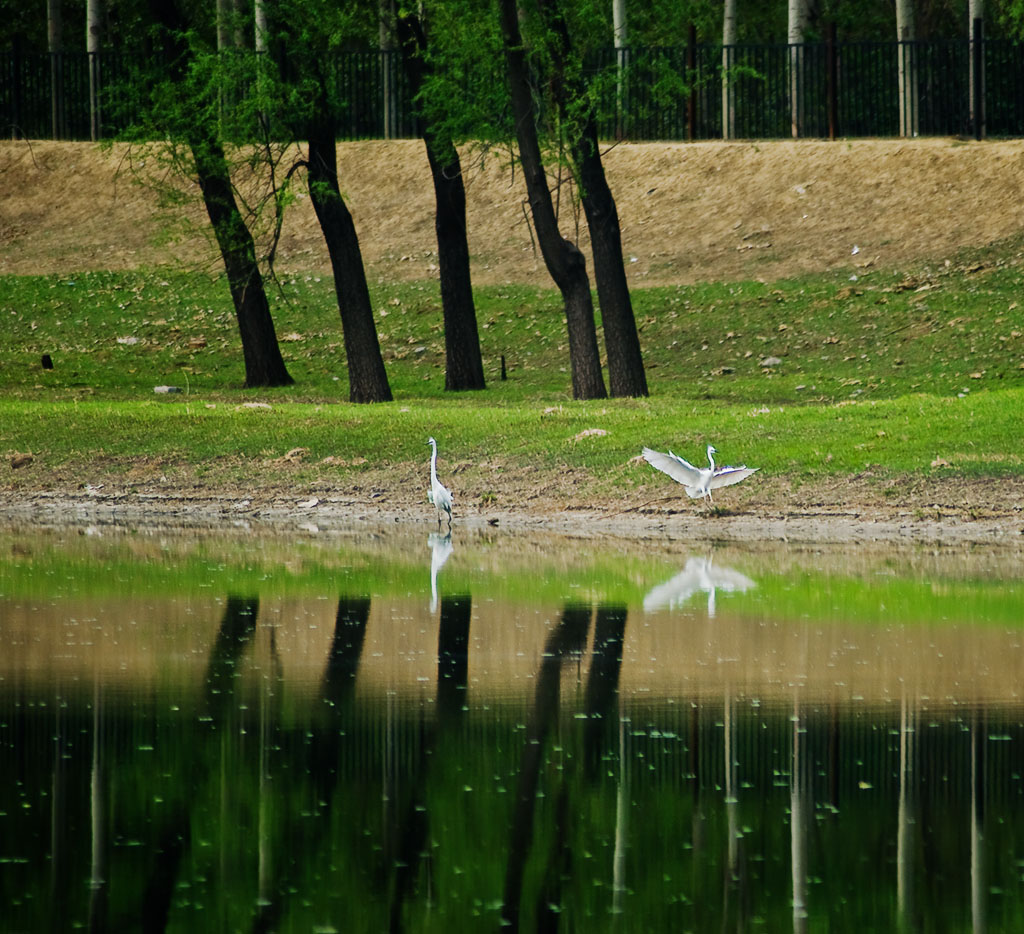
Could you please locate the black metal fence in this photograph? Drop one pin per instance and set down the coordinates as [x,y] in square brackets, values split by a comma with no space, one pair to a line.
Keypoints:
[823,89]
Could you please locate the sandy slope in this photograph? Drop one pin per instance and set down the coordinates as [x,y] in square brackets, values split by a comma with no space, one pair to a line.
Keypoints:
[689,212]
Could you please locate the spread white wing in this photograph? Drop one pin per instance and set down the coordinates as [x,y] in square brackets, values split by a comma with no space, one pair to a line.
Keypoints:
[726,476]
[674,592]
[698,575]
[677,468]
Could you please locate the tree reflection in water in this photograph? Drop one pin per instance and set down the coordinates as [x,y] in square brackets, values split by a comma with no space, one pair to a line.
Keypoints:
[343,767]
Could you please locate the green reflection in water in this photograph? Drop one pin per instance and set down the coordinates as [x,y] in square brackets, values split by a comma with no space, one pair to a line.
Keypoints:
[260,734]
[871,583]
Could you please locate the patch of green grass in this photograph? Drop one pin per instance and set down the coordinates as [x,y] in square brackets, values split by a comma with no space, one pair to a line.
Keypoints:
[976,435]
[813,376]
[116,336]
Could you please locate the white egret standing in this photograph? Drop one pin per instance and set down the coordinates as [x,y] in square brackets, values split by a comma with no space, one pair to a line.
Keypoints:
[439,494]
[696,481]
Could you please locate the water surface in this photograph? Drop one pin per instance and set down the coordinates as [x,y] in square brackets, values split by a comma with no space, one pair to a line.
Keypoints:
[231,730]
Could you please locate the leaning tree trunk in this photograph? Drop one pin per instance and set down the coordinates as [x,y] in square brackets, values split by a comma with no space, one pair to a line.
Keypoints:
[626,375]
[625,361]
[564,261]
[264,365]
[464,368]
[367,378]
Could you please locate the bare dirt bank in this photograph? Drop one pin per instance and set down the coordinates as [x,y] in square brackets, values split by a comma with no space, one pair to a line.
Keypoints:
[690,211]
[940,513]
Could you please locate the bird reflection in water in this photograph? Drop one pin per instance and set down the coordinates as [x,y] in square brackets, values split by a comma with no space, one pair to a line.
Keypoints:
[699,575]
[440,551]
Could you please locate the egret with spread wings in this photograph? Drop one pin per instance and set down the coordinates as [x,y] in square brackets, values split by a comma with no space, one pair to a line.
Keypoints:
[698,482]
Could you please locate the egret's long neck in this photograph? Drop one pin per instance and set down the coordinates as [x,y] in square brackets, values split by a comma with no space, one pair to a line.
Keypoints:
[711,460]
[433,463]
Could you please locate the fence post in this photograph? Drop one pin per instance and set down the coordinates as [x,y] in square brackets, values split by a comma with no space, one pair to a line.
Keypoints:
[832,80]
[978,78]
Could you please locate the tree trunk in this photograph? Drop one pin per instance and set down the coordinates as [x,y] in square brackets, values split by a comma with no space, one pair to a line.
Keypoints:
[622,343]
[625,361]
[239,14]
[728,91]
[367,378]
[386,44]
[261,353]
[223,8]
[464,368]
[976,78]
[93,33]
[797,26]
[264,365]
[564,261]
[261,31]
[620,38]
[906,67]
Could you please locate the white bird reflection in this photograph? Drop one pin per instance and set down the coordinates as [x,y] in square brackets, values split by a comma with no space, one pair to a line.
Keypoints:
[440,551]
[698,576]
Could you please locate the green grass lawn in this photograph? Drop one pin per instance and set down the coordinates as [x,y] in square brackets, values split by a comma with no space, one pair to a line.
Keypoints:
[909,372]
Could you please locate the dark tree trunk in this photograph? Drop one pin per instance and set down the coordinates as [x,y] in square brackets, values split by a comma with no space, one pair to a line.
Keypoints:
[367,378]
[264,365]
[564,261]
[464,368]
[626,375]
[625,361]
[464,363]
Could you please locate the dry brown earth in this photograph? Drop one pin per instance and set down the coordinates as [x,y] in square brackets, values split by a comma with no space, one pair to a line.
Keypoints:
[690,212]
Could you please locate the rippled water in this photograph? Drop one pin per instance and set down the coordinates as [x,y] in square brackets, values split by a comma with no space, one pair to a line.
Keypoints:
[232,730]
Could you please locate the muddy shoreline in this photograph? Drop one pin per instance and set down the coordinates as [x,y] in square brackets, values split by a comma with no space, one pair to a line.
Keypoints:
[282,513]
